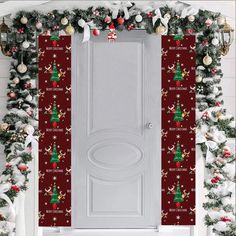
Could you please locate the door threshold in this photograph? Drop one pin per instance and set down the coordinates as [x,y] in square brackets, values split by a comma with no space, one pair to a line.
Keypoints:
[180,231]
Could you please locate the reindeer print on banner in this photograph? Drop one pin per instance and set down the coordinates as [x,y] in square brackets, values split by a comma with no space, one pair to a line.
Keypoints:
[178,130]
[54,58]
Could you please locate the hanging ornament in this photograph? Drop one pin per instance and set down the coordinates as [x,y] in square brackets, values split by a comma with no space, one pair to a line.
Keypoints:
[22,68]
[221,20]
[191,18]
[64,21]
[29,98]
[107,19]
[215,41]
[81,23]
[12,95]
[16,80]
[207,60]
[70,29]
[167,16]
[111,36]
[215,90]
[198,78]
[25,44]
[208,22]
[39,25]
[22,167]
[96,32]
[138,18]
[213,71]
[23,20]
[120,21]
[160,29]
[189,31]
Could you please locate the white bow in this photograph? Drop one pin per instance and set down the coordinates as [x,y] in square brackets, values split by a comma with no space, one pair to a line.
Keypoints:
[87,31]
[164,21]
[3,189]
[34,144]
[120,5]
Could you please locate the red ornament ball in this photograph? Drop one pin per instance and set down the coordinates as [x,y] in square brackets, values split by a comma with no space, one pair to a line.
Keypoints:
[22,167]
[96,32]
[12,94]
[189,31]
[227,153]
[120,21]
[107,19]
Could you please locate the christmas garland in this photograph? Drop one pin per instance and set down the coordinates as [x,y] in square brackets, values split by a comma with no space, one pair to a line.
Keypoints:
[19,132]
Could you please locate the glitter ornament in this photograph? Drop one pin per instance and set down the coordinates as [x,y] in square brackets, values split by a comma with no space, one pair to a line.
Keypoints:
[207,60]
[64,21]
[215,41]
[16,80]
[22,68]
[39,25]
[69,29]
[160,29]
[107,19]
[198,78]
[25,44]
[81,23]
[138,18]
[191,18]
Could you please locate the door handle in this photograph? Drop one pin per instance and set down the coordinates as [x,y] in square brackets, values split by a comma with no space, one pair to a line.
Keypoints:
[149,125]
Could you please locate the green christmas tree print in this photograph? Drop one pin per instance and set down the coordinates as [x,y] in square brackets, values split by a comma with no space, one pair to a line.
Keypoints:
[54,77]
[178,156]
[54,117]
[54,158]
[54,39]
[178,196]
[54,198]
[178,117]
[178,75]
[178,38]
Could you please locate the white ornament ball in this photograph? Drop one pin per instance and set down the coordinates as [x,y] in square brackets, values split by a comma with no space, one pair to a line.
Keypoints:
[221,20]
[16,80]
[138,18]
[64,21]
[4,126]
[208,22]
[81,23]
[25,44]
[29,129]
[39,25]
[29,98]
[207,60]
[198,78]
[191,18]
[221,226]
[215,90]
[167,16]
[22,68]
[23,20]
[215,41]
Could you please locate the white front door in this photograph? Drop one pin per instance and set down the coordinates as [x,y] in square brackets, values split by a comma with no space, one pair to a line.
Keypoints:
[116,154]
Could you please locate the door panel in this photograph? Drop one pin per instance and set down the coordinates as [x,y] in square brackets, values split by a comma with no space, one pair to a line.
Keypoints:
[116,158]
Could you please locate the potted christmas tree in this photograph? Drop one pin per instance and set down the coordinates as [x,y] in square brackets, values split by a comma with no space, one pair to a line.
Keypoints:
[178,156]
[54,77]
[54,198]
[54,117]
[178,38]
[54,39]
[178,117]
[54,158]
[178,75]
[178,196]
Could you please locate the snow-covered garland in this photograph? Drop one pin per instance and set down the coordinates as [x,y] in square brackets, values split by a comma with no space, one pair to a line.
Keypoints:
[19,132]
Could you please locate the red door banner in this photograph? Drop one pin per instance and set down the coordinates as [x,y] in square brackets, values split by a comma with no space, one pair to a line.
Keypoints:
[178,130]
[54,62]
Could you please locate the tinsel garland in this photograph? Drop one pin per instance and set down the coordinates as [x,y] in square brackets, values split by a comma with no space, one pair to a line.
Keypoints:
[19,131]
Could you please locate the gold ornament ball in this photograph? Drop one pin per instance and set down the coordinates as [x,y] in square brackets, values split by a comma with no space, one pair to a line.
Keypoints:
[207,60]
[198,78]
[221,117]
[70,30]
[221,20]
[191,18]
[64,21]
[160,29]
[4,126]
[23,20]
[22,68]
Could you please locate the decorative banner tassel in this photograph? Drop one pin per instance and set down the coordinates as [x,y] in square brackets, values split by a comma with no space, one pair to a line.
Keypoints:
[177,164]
[54,165]
[54,206]
[54,124]
[177,205]
[177,124]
